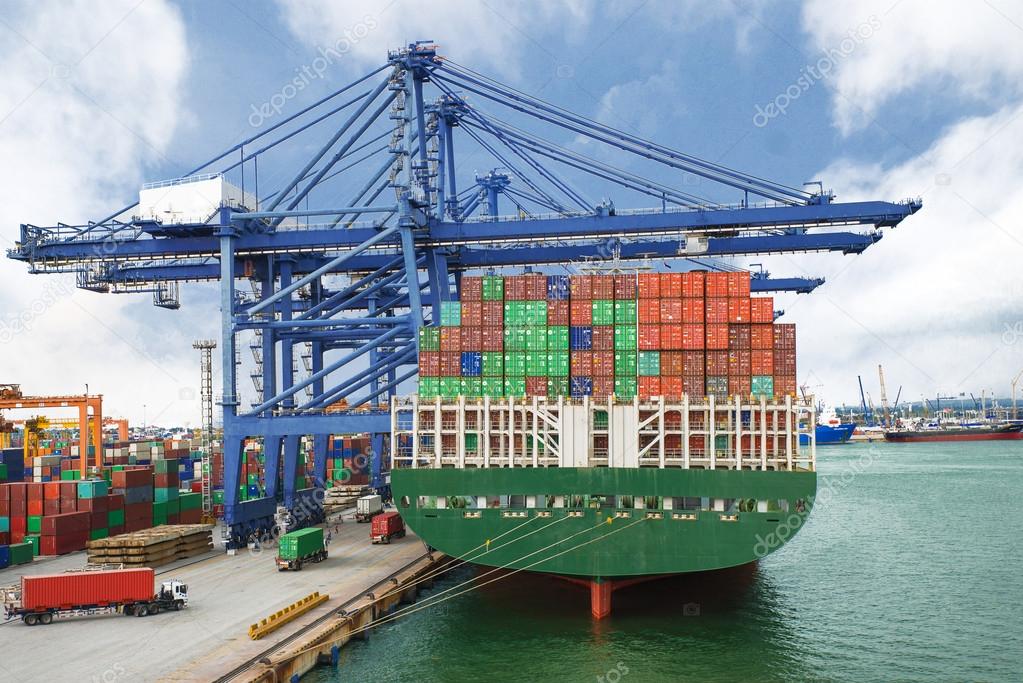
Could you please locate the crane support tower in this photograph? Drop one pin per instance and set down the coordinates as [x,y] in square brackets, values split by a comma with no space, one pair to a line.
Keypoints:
[358,246]
[205,348]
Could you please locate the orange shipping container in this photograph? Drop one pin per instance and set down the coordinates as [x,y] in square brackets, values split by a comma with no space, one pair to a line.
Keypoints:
[671,387]
[649,311]
[716,310]
[625,287]
[672,363]
[692,337]
[717,336]
[671,285]
[580,286]
[493,313]
[693,284]
[472,288]
[451,339]
[762,362]
[761,337]
[536,287]
[472,313]
[603,338]
[738,284]
[603,363]
[740,385]
[649,387]
[603,286]
[649,285]
[649,337]
[738,310]
[717,362]
[716,285]
[692,310]
[671,337]
[558,312]
[582,363]
[671,311]
[581,312]
[761,309]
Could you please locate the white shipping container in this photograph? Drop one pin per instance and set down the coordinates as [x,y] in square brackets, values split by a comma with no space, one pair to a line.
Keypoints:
[368,505]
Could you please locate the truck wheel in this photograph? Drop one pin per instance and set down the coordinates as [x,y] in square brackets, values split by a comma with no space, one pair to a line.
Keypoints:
[129,610]
[141,611]
[387,540]
[30,619]
[178,605]
[154,609]
[298,566]
[45,619]
[401,534]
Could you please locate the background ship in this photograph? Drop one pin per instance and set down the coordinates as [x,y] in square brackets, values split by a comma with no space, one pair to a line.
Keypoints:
[981,432]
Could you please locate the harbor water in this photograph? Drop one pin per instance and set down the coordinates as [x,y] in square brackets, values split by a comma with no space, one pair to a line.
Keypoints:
[907,570]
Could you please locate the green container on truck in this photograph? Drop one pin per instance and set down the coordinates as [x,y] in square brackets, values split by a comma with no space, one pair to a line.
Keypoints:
[300,547]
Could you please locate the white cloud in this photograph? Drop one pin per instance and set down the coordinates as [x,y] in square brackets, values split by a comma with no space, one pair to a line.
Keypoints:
[92,91]
[953,50]
[934,299]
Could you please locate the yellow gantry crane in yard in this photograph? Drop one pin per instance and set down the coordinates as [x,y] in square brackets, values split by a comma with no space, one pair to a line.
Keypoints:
[90,417]
[34,428]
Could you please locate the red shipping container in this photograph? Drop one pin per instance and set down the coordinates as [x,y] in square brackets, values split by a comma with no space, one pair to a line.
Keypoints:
[472,339]
[35,508]
[671,337]
[138,511]
[536,287]
[717,363]
[62,545]
[716,285]
[581,312]
[739,385]
[762,337]
[78,589]
[671,285]
[93,504]
[603,286]
[98,519]
[138,524]
[451,339]
[166,481]
[739,337]
[693,284]
[716,310]
[649,386]
[784,385]
[19,508]
[115,501]
[671,386]
[761,309]
[51,490]
[692,310]
[717,337]
[649,285]
[648,311]
[515,288]
[493,313]
[671,311]
[5,508]
[580,287]
[558,312]
[738,310]
[625,287]
[693,363]
[603,387]
[5,537]
[59,525]
[491,338]
[472,313]
[581,363]
[17,491]
[762,362]
[784,362]
[603,363]
[536,386]
[692,337]
[739,363]
[472,288]
[34,491]
[738,284]
[693,385]
[429,363]
[118,529]
[450,364]
[51,507]
[19,525]
[784,336]
[671,363]
[603,338]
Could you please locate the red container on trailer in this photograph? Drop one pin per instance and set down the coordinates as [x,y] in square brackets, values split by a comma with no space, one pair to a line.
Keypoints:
[671,311]
[717,336]
[76,589]
[472,288]
[603,338]
[693,284]
[386,524]
[649,285]
[558,312]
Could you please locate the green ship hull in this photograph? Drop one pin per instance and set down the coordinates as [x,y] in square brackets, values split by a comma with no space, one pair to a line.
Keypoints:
[510,518]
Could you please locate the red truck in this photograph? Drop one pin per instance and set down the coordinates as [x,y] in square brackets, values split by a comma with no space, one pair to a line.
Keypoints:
[386,526]
[86,593]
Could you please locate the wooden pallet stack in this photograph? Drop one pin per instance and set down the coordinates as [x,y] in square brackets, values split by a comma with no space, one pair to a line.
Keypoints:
[342,497]
[153,547]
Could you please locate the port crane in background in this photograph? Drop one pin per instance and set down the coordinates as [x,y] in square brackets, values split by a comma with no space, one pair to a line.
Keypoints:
[352,249]
[1015,381]
[90,418]
[884,398]
[868,413]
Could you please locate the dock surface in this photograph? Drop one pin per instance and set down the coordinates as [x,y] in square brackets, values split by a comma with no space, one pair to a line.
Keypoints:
[210,637]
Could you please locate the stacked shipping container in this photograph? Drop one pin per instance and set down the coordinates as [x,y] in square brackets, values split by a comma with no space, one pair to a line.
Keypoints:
[646,335]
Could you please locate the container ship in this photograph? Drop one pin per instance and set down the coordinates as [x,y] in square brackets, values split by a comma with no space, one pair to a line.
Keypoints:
[830,429]
[1000,432]
[607,429]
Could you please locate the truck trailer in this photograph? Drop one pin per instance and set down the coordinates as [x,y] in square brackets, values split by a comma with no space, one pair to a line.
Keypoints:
[299,547]
[387,526]
[368,507]
[41,599]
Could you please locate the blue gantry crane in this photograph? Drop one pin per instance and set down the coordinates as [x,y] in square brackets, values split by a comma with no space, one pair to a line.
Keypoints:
[351,250]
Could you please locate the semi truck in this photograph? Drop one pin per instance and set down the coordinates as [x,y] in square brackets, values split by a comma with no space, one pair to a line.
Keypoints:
[299,547]
[368,507]
[387,526]
[41,599]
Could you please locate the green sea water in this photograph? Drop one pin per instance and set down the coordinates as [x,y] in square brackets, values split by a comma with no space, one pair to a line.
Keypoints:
[909,569]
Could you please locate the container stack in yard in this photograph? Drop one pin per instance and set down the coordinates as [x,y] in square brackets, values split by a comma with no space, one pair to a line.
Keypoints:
[646,335]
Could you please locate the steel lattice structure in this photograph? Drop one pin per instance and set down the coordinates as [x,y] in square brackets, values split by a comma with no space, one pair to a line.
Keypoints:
[384,202]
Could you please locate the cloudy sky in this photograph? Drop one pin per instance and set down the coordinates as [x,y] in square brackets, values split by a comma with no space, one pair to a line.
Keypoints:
[917,99]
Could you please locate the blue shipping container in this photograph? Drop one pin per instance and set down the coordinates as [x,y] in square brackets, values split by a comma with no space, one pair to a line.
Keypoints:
[580,338]
[472,364]
[582,386]
[557,287]
[5,556]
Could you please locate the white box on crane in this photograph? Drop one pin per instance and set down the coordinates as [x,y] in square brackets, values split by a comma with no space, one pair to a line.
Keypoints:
[195,199]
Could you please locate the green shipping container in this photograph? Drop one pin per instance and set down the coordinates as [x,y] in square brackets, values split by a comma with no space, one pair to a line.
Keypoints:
[536,338]
[558,386]
[190,501]
[472,442]
[450,313]
[603,312]
[493,387]
[625,312]
[159,514]
[536,312]
[515,313]
[172,507]
[558,364]
[625,363]
[514,386]
[429,387]
[300,544]
[536,364]
[649,363]
[470,387]
[515,338]
[253,478]
[94,488]
[515,363]
[626,338]
[450,386]
[21,553]
[70,475]
[762,385]
[115,518]
[557,338]
[165,466]
[97,534]
[493,288]
[625,387]
[5,524]
[218,497]
[34,524]
[493,364]
[34,540]
[429,339]
[3,472]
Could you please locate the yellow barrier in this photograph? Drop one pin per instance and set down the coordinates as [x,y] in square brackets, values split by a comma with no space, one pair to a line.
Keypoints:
[282,617]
